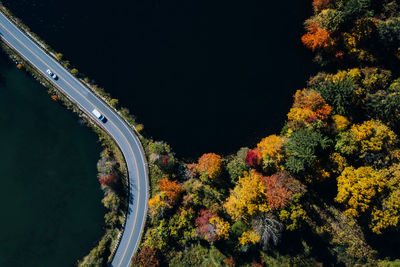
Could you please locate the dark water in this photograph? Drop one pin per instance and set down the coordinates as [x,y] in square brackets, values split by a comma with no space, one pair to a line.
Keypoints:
[51,214]
[202,75]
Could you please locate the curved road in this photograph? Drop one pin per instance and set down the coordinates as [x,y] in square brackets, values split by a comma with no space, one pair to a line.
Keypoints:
[115,126]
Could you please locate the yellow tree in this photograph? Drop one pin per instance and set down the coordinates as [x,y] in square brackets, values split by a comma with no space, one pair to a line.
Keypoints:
[373,136]
[340,122]
[357,188]
[249,236]
[387,212]
[158,204]
[248,197]
[308,107]
[271,148]
[221,227]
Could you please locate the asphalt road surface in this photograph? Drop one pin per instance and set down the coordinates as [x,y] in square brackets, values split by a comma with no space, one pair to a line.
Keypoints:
[115,126]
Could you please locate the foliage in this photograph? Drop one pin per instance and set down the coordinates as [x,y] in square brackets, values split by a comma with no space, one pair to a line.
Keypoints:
[211,227]
[316,37]
[272,151]
[172,190]
[191,256]
[146,257]
[109,179]
[338,93]
[357,188]
[158,205]
[302,149]
[278,190]
[320,5]
[210,165]
[249,237]
[371,140]
[340,122]
[236,166]
[248,197]
[254,157]
[387,213]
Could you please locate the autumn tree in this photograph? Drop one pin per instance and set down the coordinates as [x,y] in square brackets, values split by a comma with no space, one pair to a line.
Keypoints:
[358,188]
[248,197]
[311,100]
[108,179]
[157,237]
[376,191]
[254,157]
[146,257]
[319,5]
[370,140]
[340,123]
[249,237]
[171,188]
[209,165]
[386,212]
[158,205]
[358,30]
[272,151]
[211,227]
[230,262]
[170,192]
[316,37]
[278,191]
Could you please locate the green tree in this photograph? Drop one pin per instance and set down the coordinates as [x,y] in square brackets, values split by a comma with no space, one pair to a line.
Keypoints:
[389,32]
[236,166]
[302,149]
[338,94]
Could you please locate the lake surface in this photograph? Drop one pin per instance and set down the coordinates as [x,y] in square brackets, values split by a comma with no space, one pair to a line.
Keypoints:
[51,201]
[202,75]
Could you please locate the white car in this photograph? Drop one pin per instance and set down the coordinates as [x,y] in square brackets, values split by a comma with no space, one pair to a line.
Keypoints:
[52,75]
[99,115]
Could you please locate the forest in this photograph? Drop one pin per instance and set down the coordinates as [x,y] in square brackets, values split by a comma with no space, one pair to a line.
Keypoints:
[323,191]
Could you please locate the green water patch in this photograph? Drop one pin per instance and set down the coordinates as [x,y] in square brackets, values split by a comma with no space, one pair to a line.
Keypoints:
[51,201]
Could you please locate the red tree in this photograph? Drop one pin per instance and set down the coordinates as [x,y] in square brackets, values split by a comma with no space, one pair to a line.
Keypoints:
[204,228]
[278,188]
[108,179]
[253,157]
[147,257]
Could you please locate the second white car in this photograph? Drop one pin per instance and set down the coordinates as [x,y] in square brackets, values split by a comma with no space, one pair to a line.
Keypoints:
[52,75]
